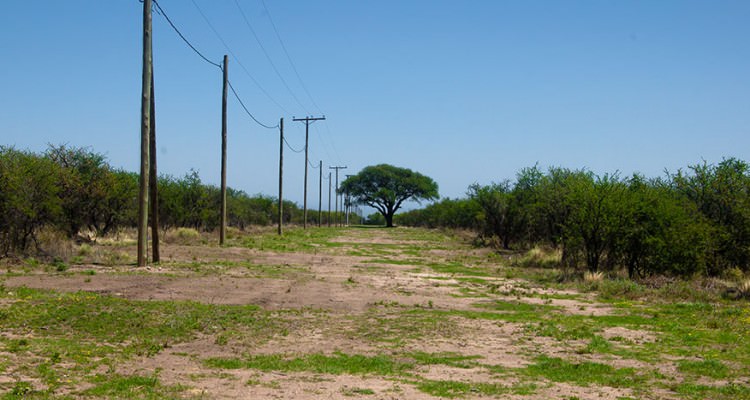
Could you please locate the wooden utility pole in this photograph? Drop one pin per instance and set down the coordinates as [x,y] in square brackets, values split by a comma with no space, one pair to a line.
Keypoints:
[347,204]
[329,199]
[337,192]
[153,201]
[320,194]
[307,121]
[223,229]
[145,128]
[281,172]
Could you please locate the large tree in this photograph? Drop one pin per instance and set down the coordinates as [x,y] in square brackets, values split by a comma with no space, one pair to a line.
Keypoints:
[385,187]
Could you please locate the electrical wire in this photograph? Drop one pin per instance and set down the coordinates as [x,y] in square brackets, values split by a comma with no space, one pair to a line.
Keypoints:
[268,57]
[323,144]
[248,111]
[288,57]
[242,66]
[184,39]
[292,148]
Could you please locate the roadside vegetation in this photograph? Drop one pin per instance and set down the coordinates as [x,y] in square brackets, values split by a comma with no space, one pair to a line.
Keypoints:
[70,193]
[691,223]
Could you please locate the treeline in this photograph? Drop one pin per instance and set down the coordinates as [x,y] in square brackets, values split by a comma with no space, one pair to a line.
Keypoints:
[695,221]
[76,191]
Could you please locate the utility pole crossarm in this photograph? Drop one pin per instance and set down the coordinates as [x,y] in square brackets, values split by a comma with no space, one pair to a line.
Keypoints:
[309,119]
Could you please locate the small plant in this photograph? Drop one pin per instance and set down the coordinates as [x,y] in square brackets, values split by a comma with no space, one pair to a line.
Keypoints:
[84,250]
[60,265]
[21,389]
[31,262]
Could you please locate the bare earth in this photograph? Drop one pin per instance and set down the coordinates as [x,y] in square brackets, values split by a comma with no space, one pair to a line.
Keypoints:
[339,290]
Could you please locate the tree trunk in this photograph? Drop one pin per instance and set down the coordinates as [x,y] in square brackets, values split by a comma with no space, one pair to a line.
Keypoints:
[388,219]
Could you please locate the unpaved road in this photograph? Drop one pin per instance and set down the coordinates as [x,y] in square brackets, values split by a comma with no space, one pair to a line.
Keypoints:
[368,292]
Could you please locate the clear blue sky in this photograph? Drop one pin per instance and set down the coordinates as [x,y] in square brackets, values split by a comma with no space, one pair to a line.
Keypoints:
[462,91]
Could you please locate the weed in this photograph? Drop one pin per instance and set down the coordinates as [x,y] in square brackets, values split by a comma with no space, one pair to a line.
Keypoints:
[60,265]
[356,391]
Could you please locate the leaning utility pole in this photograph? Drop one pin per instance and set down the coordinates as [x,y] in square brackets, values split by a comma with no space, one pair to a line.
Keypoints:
[152,177]
[281,172]
[307,136]
[320,193]
[337,192]
[223,229]
[145,128]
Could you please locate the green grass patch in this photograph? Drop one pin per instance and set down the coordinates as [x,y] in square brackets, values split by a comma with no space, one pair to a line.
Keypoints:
[597,344]
[131,387]
[449,359]
[312,239]
[585,373]
[731,391]
[113,319]
[710,368]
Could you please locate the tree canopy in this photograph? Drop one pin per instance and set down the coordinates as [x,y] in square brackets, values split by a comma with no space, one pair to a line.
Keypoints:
[385,187]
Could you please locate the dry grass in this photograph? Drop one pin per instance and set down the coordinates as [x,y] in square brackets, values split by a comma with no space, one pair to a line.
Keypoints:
[744,288]
[593,277]
[182,236]
[539,257]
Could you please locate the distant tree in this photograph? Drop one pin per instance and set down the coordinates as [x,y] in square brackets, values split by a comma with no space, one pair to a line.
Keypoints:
[85,183]
[29,198]
[385,187]
[497,216]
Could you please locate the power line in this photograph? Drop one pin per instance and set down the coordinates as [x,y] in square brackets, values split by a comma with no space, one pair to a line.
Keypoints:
[292,148]
[333,143]
[162,12]
[184,39]
[268,57]
[248,111]
[323,144]
[288,57]
[237,58]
